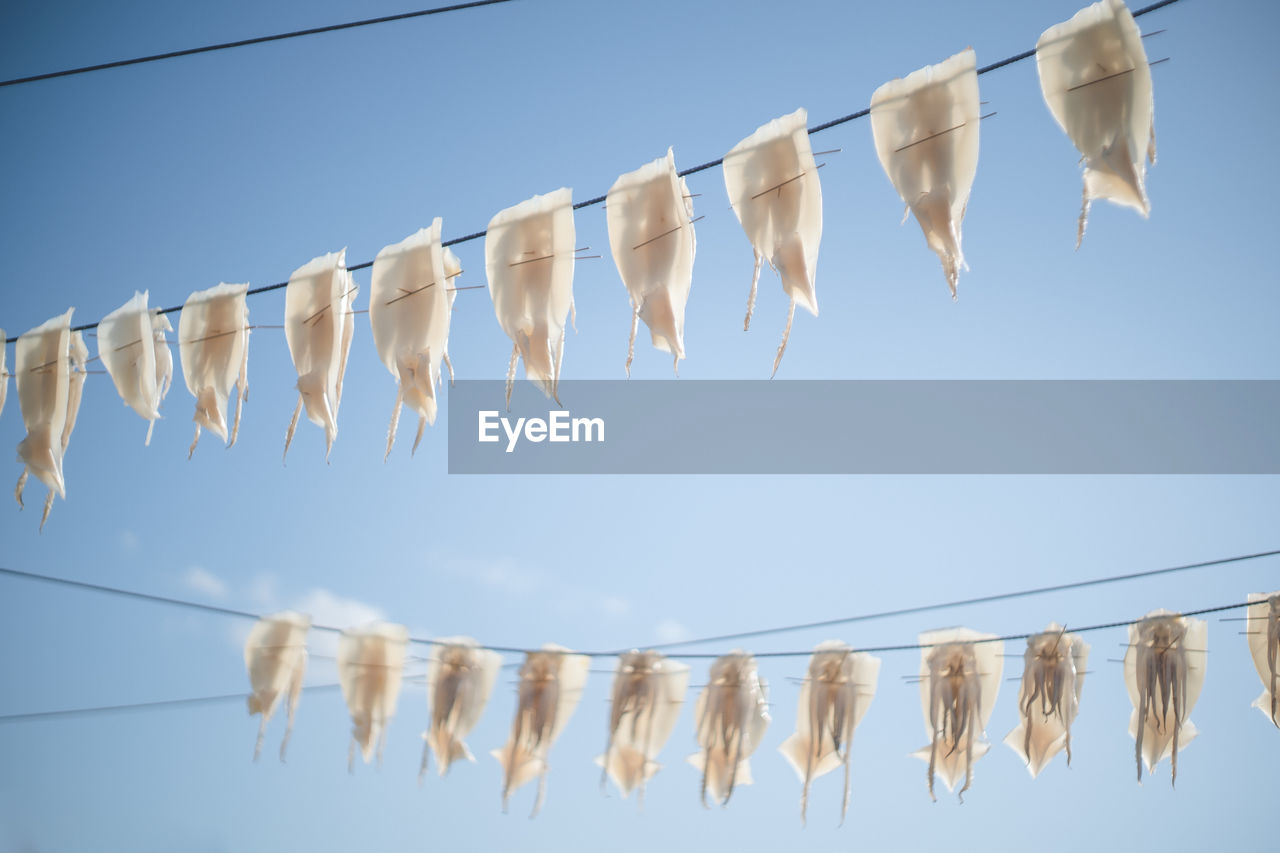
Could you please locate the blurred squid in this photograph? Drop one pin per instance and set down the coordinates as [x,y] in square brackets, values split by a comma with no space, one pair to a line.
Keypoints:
[835,695]
[4,374]
[370,665]
[1164,670]
[1049,697]
[648,692]
[1262,626]
[960,674]
[213,341]
[731,715]
[133,348]
[460,677]
[774,190]
[275,656]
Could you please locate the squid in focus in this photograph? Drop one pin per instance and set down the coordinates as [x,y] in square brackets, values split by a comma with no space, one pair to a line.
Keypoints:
[731,716]
[460,677]
[1049,698]
[1164,669]
[1096,81]
[650,217]
[133,349]
[551,683]
[926,134]
[213,341]
[50,374]
[1262,626]
[318,324]
[370,663]
[774,190]
[648,692]
[410,305]
[528,259]
[960,674]
[275,656]
[835,695]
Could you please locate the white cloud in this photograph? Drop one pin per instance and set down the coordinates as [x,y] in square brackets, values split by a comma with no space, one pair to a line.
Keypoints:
[205,583]
[328,608]
[671,631]
[615,605]
[128,540]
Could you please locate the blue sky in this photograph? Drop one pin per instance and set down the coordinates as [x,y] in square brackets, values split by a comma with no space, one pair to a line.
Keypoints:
[242,165]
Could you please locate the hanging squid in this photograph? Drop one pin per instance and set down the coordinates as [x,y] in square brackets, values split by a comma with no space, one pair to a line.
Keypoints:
[410,304]
[650,216]
[275,656]
[1164,669]
[731,716]
[460,677]
[925,128]
[4,374]
[213,341]
[1262,626]
[1049,698]
[1096,81]
[133,349]
[773,187]
[648,691]
[318,324]
[370,661]
[528,258]
[833,698]
[960,674]
[551,683]
[50,374]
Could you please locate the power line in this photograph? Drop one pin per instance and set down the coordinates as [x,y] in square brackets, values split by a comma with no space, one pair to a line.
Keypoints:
[684,173]
[191,51]
[138,706]
[244,614]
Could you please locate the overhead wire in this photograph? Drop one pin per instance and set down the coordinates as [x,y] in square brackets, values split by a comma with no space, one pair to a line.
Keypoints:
[191,51]
[701,167]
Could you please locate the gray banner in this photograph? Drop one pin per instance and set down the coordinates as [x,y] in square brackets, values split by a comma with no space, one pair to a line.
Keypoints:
[867,427]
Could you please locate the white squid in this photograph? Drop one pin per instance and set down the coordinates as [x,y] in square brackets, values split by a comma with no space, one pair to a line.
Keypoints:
[275,656]
[50,373]
[1164,669]
[410,305]
[528,258]
[318,324]
[133,349]
[1096,81]
[960,674]
[370,665]
[1262,626]
[834,697]
[774,190]
[731,714]
[648,692]
[1049,698]
[460,677]
[4,374]
[926,134]
[213,341]
[650,217]
[551,683]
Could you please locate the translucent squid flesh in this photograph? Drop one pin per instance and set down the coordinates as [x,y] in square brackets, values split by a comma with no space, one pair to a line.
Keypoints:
[318,325]
[370,664]
[133,349]
[4,374]
[551,683]
[650,218]
[1262,626]
[1049,698]
[836,693]
[731,715]
[1096,81]
[960,674]
[410,304]
[275,656]
[773,186]
[648,692]
[528,258]
[926,134]
[460,677]
[213,342]
[1164,670]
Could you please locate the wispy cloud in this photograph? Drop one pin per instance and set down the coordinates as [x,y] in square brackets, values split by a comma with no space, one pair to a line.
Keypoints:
[205,582]
[671,631]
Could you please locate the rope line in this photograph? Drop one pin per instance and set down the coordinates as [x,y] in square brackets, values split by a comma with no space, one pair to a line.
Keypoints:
[683,173]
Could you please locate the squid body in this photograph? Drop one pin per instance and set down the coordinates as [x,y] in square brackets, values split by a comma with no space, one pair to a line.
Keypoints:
[460,678]
[133,348]
[1049,698]
[370,664]
[213,341]
[648,692]
[275,656]
[1263,629]
[731,715]
[1164,670]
